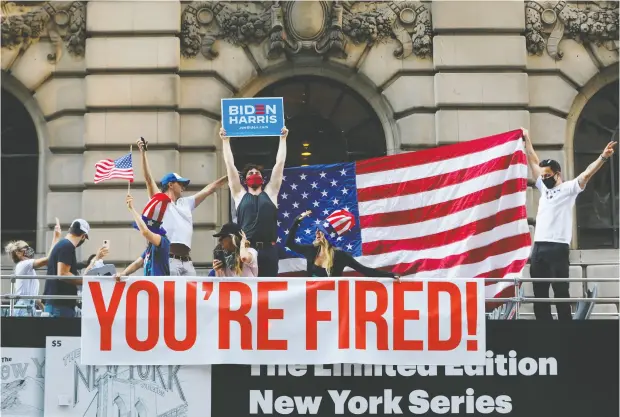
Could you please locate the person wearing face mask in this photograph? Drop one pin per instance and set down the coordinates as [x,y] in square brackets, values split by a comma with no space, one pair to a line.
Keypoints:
[178,220]
[62,261]
[554,225]
[323,258]
[234,257]
[23,256]
[257,207]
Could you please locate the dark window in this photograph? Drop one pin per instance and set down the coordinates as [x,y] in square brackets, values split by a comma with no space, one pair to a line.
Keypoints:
[327,121]
[20,172]
[597,206]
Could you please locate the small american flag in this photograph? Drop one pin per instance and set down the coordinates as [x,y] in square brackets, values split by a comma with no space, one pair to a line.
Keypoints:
[107,169]
[455,211]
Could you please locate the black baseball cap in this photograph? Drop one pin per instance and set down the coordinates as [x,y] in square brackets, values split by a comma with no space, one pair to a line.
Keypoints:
[551,163]
[229,229]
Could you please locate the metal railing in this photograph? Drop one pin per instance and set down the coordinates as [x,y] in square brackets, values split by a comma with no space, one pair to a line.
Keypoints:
[518,299]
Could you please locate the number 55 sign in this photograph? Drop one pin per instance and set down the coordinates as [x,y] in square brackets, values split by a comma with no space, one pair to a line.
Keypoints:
[253,116]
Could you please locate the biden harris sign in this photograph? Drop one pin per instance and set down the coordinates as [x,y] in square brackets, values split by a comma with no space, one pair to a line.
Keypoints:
[263,116]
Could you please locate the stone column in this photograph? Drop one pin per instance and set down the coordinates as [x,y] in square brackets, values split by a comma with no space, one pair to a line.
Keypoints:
[481,87]
[132,90]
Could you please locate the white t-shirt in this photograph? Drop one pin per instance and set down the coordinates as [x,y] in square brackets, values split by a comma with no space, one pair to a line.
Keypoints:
[247,270]
[554,220]
[178,221]
[26,286]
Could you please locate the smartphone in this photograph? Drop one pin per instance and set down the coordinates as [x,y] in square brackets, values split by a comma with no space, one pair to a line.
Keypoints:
[106,244]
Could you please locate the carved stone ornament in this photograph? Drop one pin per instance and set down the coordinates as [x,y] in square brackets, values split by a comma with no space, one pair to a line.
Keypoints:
[593,22]
[318,27]
[25,22]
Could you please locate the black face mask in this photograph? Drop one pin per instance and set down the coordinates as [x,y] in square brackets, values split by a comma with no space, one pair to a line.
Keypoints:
[550,182]
[81,243]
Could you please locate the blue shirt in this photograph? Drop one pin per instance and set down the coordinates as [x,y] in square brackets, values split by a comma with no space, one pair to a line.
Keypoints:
[157,259]
[64,252]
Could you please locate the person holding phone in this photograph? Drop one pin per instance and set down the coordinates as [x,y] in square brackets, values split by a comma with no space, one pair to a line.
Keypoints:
[178,221]
[155,259]
[234,257]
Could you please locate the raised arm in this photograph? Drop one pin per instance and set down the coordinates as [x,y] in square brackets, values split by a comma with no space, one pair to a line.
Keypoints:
[532,158]
[200,196]
[275,182]
[151,185]
[101,253]
[585,176]
[231,170]
[154,238]
[292,234]
[366,271]
[38,263]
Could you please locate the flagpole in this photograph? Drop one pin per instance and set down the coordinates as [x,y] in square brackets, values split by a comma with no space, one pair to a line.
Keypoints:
[129,181]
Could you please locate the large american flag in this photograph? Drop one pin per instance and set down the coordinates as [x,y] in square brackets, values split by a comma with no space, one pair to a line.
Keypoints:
[108,169]
[454,211]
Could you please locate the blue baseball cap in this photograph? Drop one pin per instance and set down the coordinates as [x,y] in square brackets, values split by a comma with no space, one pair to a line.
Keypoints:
[174,177]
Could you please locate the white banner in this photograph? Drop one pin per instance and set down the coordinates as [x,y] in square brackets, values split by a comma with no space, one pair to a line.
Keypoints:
[23,372]
[184,320]
[76,390]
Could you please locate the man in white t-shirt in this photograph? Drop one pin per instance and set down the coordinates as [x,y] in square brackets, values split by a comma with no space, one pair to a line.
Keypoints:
[23,255]
[178,220]
[554,225]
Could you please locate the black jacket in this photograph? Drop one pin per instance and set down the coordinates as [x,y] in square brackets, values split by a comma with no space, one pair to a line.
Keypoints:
[342,259]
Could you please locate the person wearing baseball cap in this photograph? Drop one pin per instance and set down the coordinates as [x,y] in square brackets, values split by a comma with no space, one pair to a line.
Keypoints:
[155,259]
[62,261]
[178,220]
[554,225]
[234,257]
[323,258]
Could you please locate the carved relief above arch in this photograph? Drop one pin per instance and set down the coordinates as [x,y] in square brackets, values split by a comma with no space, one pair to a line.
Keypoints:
[64,22]
[593,24]
[317,28]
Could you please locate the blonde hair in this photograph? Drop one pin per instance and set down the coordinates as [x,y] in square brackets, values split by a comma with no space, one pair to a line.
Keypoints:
[13,247]
[329,256]
[238,264]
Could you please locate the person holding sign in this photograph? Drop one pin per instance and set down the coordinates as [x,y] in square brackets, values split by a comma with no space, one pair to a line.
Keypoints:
[178,220]
[155,258]
[323,257]
[257,207]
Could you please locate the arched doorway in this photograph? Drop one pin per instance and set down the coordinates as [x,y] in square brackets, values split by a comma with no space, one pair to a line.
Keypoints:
[597,207]
[20,171]
[328,122]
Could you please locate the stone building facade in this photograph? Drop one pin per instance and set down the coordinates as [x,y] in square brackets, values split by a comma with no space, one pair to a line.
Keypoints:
[94,76]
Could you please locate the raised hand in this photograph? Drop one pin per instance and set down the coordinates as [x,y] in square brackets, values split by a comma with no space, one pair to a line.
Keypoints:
[305,214]
[129,202]
[223,134]
[283,133]
[101,253]
[142,144]
[57,230]
[609,149]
